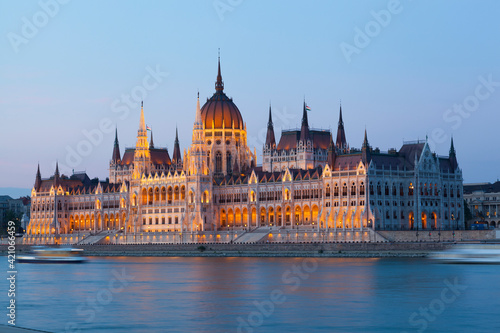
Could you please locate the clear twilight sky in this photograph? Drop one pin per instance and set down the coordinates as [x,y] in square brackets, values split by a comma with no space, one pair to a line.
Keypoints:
[402,69]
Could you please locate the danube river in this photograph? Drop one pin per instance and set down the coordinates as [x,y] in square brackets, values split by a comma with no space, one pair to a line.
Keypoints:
[145,294]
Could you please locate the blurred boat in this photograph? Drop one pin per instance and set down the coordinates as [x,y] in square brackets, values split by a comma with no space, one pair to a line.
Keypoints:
[51,255]
[469,254]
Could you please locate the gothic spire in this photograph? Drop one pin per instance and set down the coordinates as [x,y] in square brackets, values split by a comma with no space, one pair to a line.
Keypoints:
[57,169]
[176,157]
[331,152]
[198,110]
[453,156]
[452,148]
[270,139]
[38,179]
[341,140]
[365,150]
[116,149]
[142,123]
[304,129]
[56,175]
[365,141]
[219,84]
[151,143]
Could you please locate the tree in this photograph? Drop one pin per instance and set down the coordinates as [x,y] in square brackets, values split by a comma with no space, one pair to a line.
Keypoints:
[11,215]
[467,214]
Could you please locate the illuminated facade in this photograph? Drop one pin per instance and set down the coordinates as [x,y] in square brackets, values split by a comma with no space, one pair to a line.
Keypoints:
[305,181]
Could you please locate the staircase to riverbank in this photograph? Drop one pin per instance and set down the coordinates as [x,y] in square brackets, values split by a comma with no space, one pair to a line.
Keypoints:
[95,239]
[254,236]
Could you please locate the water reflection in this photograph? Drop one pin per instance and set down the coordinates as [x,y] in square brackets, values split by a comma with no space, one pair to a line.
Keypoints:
[210,294]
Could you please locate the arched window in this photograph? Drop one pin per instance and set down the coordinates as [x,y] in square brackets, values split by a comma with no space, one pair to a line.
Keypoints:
[353,188]
[176,193]
[336,190]
[157,194]
[163,194]
[150,196]
[371,188]
[379,189]
[327,191]
[218,162]
[169,195]
[386,189]
[394,189]
[410,189]
[362,189]
[344,190]
[401,190]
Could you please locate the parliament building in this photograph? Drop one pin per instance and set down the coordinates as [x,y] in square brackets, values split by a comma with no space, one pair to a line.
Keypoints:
[306,180]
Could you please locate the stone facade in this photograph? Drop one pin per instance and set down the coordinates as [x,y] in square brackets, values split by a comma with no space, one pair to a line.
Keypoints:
[306,181]
[484,203]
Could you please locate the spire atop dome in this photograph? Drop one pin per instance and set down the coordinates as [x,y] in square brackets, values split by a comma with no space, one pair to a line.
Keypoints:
[219,84]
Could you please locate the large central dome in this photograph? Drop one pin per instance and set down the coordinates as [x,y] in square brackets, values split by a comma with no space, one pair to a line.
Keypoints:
[220,111]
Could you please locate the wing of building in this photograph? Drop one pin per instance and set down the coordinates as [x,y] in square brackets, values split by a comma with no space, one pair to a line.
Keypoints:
[306,180]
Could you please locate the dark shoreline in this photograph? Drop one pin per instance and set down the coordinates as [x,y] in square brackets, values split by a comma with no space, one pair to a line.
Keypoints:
[354,250]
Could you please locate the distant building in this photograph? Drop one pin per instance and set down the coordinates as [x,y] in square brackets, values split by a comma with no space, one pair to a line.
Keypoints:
[484,203]
[19,207]
[306,181]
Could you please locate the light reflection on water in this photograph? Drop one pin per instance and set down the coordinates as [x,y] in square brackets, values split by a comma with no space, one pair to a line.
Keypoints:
[209,294]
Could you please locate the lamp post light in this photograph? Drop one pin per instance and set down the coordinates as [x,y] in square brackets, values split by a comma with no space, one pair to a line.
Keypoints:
[453,223]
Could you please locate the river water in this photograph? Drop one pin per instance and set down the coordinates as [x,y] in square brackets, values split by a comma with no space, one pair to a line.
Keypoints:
[146,294]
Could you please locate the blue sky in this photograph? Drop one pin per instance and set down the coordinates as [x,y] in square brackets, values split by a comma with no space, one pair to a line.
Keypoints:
[402,82]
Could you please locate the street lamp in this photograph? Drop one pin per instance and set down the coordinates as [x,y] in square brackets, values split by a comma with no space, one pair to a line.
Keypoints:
[453,219]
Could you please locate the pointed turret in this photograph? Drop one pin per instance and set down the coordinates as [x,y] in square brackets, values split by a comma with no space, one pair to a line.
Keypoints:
[176,157]
[219,84]
[365,150]
[270,139]
[38,179]
[142,123]
[198,111]
[56,175]
[341,140]
[116,149]
[304,129]
[151,143]
[453,156]
[331,153]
